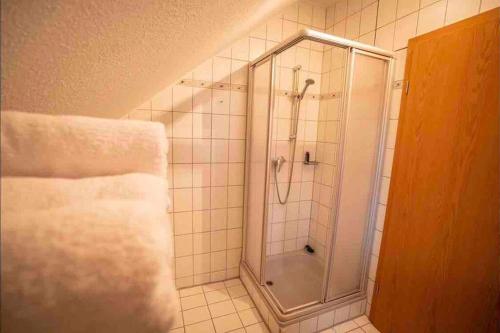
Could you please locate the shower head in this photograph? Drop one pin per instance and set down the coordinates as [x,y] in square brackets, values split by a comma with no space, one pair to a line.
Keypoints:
[308,83]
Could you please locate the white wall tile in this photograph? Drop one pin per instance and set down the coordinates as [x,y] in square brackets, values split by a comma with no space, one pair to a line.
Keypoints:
[305,13]
[385,37]
[202,100]
[319,17]
[257,47]
[274,29]
[368,18]
[291,12]
[352,26]
[340,10]
[405,29]
[183,175]
[431,17]
[406,7]
[220,101]
[182,98]
[183,245]
[240,49]
[201,151]
[221,69]
[461,9]
[386,12]
[489,4]
[239,71]
[353,6]
[183,223]
[182,125]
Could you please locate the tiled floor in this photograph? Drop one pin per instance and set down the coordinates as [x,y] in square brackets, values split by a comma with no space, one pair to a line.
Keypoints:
[358,325]
[218,307]
[226,307]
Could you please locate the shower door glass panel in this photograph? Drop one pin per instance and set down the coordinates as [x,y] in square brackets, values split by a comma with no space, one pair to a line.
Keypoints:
[257,165]
[363,123]
[305,125]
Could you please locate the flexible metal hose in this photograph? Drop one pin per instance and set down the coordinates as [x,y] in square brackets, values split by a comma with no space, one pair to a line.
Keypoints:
[293,138]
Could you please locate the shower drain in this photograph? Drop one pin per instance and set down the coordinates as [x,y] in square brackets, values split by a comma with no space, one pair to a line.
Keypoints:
[269,283]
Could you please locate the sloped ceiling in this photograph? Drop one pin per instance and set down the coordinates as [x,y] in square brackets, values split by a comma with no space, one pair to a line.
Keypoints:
[105,57]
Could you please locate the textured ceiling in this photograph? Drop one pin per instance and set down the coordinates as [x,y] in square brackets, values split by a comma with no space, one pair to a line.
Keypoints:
[105,57]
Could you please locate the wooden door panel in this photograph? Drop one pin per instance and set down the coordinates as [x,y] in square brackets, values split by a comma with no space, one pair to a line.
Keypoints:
[440,256]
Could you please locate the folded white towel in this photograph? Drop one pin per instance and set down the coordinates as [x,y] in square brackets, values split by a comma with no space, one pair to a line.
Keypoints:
[100,267]
[28,193]
[36,145]
[92,253]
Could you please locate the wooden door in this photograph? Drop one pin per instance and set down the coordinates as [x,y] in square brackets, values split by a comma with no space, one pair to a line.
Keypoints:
[440,256]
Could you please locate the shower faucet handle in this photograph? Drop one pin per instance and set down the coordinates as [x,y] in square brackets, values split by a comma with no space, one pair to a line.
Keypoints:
[278,162]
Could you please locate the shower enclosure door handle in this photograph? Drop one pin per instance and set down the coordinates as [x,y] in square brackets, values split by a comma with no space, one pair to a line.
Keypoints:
[278,162]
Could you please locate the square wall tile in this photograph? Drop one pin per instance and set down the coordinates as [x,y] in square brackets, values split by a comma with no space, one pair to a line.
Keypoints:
[221,70]
[202,100]
[386,12]
[182,98]
[458,10]
[368,19]
[220,101]
[406,28]
[489,4]
[240,49]
[406,7]
[432,17]
[384,37]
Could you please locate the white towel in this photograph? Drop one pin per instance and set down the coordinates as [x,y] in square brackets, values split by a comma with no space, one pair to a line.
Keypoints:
[30,193]
[86,244]
[37,145]
[98,267]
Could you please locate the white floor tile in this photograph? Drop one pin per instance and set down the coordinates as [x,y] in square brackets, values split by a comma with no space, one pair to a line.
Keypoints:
[233,311]
[345,327]
[178,320]
[361,321]
[227,323]
[257,328]
[213,286]
[370,329]
[222,308]
[193,301]
[202,327]
[237,291]
[190,291]
[196,315]
[233,282]
[217,296]
[250,316]
[243,303]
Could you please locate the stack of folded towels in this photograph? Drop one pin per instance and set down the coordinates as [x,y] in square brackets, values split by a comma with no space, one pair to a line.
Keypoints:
[86,245]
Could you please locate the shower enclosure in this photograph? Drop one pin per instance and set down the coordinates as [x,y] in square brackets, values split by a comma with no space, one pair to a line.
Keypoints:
[315,137]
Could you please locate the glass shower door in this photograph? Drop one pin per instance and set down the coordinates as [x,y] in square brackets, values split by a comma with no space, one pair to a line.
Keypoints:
[363,126]
[257,164]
